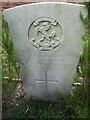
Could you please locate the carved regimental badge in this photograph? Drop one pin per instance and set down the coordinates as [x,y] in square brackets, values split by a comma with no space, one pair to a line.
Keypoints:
[45,34]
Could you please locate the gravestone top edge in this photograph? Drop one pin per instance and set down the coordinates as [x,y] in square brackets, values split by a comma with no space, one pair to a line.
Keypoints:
[42,3]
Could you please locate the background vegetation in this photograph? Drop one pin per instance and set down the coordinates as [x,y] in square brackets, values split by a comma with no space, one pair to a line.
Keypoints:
[10,68]
[73,106]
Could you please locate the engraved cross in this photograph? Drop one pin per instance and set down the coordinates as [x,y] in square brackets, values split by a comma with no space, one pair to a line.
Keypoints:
[46,82]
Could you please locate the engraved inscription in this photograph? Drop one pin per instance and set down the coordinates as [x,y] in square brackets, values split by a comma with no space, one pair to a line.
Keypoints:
[45,34]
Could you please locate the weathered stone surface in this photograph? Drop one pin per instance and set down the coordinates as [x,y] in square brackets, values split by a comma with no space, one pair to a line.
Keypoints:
[47,41]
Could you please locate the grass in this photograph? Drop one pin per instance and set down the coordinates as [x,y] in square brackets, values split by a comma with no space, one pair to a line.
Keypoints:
[0,65]
[10,67]
[73,106]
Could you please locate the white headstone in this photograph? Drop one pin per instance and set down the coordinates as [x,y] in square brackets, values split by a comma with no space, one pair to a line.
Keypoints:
[47,41]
